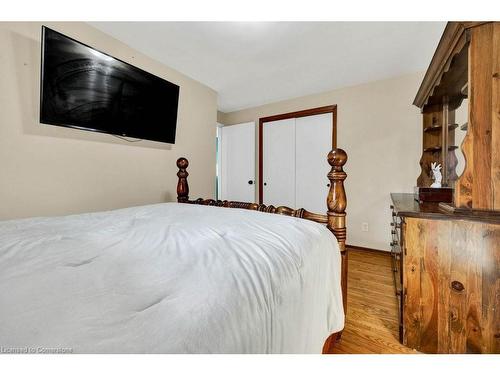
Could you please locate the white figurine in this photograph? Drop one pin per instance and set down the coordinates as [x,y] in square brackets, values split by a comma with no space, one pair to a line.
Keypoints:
[437,176]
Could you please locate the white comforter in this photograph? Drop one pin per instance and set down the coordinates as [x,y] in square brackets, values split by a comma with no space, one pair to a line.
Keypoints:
[169,278]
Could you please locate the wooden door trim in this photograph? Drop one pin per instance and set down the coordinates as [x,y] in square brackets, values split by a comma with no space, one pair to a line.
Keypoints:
[304,113]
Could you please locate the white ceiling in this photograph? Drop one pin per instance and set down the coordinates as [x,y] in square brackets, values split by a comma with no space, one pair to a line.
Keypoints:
[254,63]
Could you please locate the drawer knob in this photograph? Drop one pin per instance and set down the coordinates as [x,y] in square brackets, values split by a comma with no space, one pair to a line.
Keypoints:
[457,285]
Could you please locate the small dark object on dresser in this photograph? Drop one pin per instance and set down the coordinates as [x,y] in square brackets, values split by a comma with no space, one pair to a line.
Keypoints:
[428,194]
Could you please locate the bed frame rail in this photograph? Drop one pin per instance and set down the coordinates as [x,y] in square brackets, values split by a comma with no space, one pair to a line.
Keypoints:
[336,200]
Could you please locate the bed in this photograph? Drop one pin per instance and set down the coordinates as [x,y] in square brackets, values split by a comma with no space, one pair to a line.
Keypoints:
[186,277]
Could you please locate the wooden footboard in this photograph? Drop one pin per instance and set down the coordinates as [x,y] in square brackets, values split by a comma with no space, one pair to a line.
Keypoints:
[334,219]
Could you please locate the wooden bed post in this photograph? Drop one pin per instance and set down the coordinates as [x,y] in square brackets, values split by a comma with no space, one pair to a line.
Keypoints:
[337,203]
[182,184]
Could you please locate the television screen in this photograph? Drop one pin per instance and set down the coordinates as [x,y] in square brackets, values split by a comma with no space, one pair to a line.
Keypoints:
[87,89]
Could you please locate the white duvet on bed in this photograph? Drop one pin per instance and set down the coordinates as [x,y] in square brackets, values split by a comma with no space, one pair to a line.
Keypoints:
[169,278]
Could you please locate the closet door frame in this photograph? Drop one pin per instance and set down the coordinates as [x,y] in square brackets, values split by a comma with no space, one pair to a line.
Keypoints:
[304,113]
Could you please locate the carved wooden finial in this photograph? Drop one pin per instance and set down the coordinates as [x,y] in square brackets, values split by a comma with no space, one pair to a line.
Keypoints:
[337,158]
[336,200]
[182,184]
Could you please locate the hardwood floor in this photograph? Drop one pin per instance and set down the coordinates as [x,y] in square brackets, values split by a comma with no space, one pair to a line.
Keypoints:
[372,317]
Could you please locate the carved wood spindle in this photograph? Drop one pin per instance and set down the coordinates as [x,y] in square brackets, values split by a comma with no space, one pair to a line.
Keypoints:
[182,184]
[337,203]
[336,200]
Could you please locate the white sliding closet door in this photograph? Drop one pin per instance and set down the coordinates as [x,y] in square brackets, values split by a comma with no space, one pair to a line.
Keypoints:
[237,162]
[278,153]
[313,135]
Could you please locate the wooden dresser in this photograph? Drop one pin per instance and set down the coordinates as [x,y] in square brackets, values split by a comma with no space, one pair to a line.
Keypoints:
[446,256]
[446,273]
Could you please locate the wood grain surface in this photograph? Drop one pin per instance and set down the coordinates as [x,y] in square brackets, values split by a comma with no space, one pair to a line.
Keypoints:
[372,318]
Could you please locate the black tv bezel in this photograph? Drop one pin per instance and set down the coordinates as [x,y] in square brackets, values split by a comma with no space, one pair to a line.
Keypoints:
[114,58]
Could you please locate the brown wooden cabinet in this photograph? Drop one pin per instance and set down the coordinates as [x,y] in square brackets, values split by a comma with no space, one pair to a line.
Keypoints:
[448,278]
[446,257]
[466,64]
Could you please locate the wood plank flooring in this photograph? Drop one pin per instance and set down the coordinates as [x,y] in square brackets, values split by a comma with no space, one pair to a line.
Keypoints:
[372,316]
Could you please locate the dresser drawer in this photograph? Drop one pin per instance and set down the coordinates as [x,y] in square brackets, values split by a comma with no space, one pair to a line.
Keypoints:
[396,245]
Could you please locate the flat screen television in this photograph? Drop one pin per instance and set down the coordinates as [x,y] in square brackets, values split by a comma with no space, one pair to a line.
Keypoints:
[86,89]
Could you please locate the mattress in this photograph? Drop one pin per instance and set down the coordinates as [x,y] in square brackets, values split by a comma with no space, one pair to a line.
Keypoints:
[168,278]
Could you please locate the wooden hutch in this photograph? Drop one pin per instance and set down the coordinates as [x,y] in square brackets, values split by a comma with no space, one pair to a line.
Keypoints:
[446,256]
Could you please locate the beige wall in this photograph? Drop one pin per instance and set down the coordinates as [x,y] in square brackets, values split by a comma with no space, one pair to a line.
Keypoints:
[381,132]
[49,170]
[461,117]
